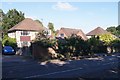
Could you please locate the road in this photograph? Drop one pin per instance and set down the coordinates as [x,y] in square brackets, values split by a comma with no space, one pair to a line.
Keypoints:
[18,67]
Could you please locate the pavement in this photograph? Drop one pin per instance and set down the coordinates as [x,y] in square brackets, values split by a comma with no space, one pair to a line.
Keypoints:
[19,67]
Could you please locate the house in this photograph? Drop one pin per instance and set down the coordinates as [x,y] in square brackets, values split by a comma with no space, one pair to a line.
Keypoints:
[67,32]
[25,31]
[97,31]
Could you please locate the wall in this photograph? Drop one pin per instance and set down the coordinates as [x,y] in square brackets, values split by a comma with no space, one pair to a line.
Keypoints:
[33,34]
[88,37]
[17,35]
[12,34]
[39,52]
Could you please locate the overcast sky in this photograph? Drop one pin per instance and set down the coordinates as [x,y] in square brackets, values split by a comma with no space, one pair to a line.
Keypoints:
[79,15]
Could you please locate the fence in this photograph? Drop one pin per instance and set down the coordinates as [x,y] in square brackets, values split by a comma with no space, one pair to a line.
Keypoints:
[39,52]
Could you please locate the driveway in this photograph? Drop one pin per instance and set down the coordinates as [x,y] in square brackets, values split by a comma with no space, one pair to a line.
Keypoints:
[19,67]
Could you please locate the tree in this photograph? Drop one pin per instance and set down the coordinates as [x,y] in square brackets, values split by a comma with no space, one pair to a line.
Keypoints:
[118,27]
[107,38]
[118,30]
[112,30]
[11,18]
[43,41]
[7,41]
[116,45]
[40,36]
[73,46]
[96,46]
[1,17]
[51,27]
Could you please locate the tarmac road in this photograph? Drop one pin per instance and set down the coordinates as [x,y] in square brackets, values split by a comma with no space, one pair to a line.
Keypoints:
[17,67]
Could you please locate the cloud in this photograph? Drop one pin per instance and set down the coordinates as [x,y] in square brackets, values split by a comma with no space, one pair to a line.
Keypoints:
[64,6]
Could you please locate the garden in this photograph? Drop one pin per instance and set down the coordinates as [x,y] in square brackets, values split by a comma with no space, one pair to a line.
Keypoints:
[73,47]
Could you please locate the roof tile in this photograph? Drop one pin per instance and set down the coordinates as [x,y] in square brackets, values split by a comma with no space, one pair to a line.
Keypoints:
[28,24]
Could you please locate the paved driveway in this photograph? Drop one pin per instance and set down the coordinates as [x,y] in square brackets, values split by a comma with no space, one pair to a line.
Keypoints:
[19,67]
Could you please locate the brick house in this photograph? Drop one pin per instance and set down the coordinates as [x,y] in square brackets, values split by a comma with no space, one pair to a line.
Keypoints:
[97,31]
[25,31]
[66,32]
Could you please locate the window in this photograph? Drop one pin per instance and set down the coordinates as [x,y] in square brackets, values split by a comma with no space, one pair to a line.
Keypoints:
[62,35]
[24,33]
[24,43]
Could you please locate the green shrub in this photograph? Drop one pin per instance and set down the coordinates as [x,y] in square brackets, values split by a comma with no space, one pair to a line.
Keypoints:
[96,45]
[7,41]
[107,39]
[73,46]
[42,40]
[116,45]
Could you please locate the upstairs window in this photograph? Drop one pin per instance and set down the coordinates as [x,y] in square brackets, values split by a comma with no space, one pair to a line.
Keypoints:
[24,43]
[24,33]
[62,35]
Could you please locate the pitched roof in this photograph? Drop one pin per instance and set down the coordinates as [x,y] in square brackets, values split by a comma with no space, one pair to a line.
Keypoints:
[27,24]
[69,32]
[97,31]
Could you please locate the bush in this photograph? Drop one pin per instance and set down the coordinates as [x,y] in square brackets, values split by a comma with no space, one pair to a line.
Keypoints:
[107,39]
[73,46]
[7,41]
[42,40]
[40,46]
[116,45]
[96,45]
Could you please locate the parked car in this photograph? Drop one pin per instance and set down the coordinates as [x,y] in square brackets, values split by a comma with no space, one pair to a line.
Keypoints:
[8,50]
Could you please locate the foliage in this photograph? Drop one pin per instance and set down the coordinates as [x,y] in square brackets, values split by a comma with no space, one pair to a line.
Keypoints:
[11,18]
[42,40]
[116,45]
[1,16]
[107,38]
[73,46]
[118,30]
[51,27]
[82,46]
[7,41]
[41,35]
[41,44]
[62,46]
[114,30]
[96,46]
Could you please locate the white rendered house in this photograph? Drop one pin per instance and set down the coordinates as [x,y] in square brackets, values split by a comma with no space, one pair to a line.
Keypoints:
[25,32]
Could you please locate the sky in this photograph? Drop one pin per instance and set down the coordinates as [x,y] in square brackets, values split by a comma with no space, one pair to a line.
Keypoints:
[77,15]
